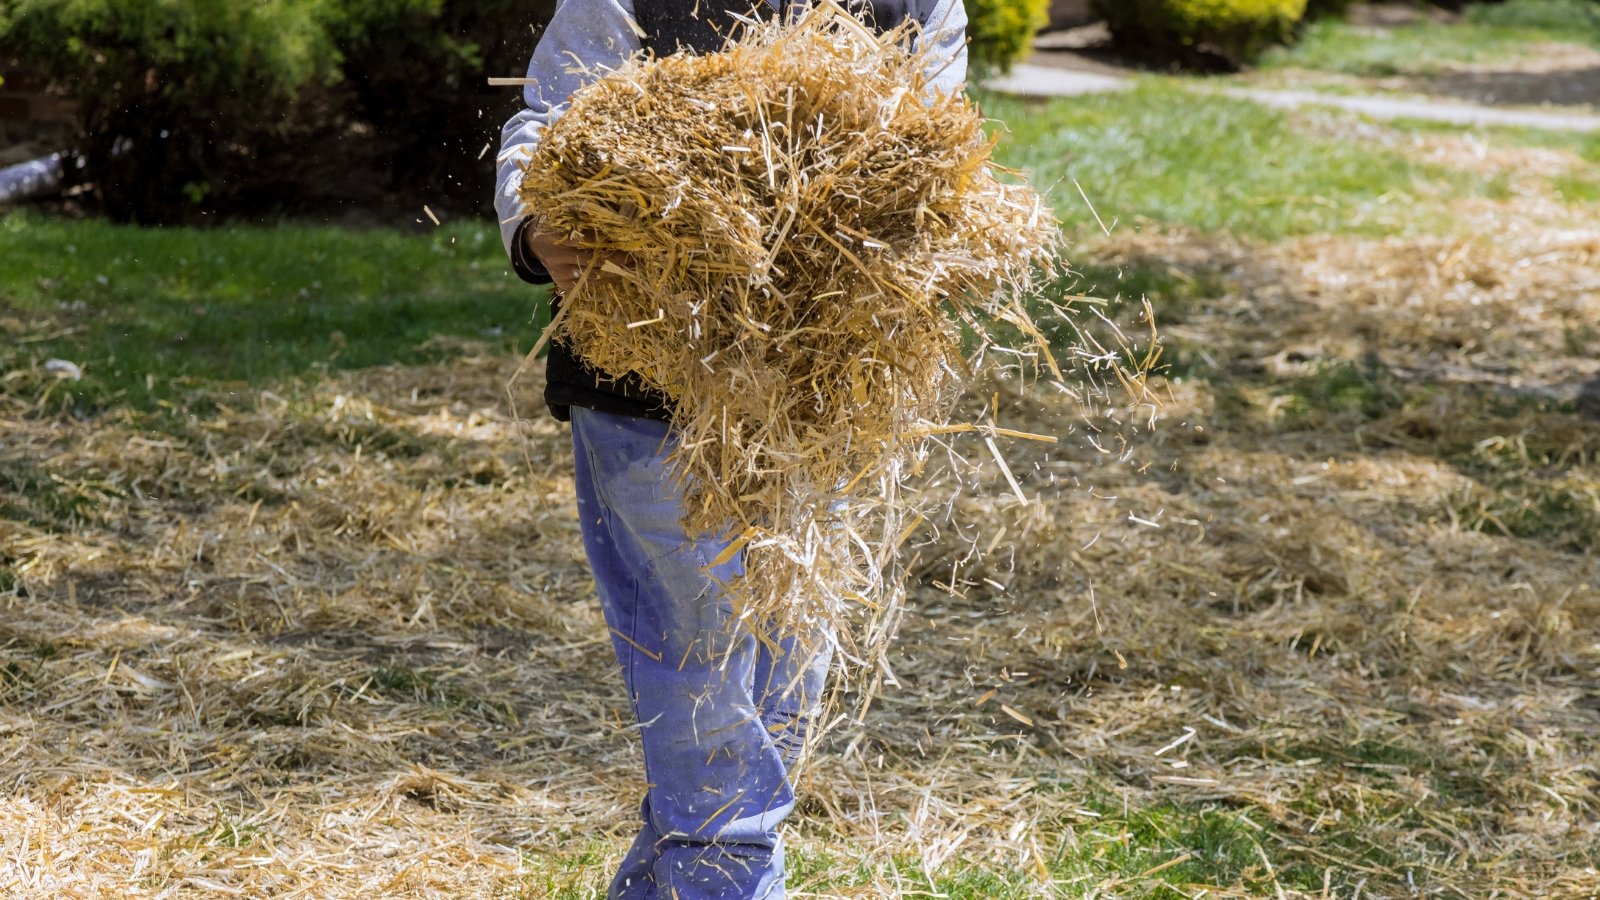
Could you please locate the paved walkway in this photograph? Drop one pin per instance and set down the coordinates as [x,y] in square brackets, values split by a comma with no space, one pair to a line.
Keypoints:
[1032,80]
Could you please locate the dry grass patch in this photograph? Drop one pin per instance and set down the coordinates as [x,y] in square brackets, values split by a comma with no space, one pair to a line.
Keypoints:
[313,668]
[1516,312]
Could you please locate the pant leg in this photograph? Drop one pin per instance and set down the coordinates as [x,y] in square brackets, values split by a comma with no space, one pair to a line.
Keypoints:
[790,677]
[614,582]
[717,789]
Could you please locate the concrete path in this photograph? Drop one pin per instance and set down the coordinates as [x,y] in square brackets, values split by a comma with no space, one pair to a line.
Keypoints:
[1032,80]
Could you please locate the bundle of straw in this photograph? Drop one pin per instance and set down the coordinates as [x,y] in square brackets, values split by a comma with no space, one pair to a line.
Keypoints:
[800,215]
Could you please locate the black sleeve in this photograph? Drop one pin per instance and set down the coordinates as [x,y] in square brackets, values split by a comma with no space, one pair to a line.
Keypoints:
[524,263]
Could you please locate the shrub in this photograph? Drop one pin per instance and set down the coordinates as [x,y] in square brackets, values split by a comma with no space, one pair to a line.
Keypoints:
[415,76]
[1327,9]
[249,106]
[1207,34]
[170,94]
[1001,31]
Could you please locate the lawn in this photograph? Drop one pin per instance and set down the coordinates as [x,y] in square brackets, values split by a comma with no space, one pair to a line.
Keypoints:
[295,604]
[1490,35]
[148,315]
[1163,153]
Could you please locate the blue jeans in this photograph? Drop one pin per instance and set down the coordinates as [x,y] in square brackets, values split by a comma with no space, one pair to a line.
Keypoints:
[721,715]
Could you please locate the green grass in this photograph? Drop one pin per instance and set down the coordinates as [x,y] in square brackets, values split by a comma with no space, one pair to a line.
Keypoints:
[1338,389]
[231,834]
[1562,512]
[1578,19]
[1158,851]
[147,313]
[1177,288]
[1490,34]
[1577,189]
[1167,154]
[1584,145]
[30,493]
[1579,186]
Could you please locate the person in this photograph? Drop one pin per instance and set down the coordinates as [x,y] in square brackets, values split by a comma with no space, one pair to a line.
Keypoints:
[722,715]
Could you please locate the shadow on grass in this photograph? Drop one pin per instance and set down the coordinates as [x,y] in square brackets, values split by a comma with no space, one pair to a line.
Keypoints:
[1564,87]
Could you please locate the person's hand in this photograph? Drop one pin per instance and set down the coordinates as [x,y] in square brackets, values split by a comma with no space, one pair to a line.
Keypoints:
[567,263]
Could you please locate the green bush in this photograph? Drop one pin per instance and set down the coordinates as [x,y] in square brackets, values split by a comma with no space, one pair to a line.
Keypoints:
[170,93]
[415,76]
[190,107]
[1327,9]
[195,107]
[1208,34]
[1001,31]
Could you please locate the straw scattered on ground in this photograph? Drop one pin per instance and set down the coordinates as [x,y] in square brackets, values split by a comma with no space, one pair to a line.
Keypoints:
[336,638]
[340,640]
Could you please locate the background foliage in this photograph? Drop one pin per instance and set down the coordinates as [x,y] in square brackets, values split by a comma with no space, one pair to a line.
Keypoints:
[1538,14]
[190,107]
[1001,31]
[193,108]
[1201,33]
[170,94]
